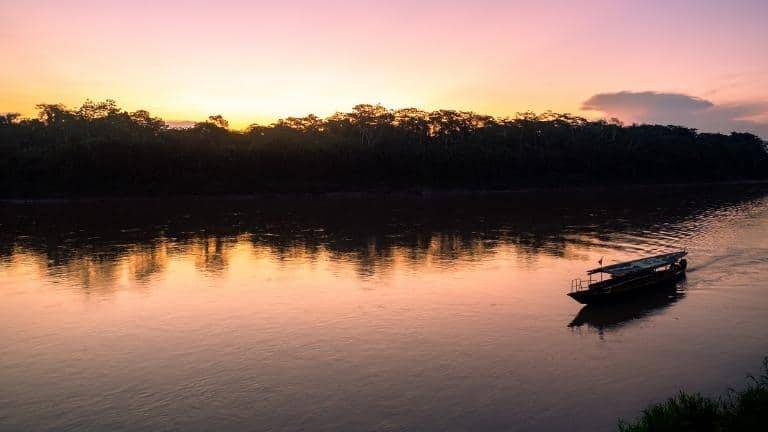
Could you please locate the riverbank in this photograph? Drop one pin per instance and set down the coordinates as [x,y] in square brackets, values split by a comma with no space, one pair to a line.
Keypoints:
[393,193]
[744,410]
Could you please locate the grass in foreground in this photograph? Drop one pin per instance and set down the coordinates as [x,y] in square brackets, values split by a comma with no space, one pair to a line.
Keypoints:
[745,410]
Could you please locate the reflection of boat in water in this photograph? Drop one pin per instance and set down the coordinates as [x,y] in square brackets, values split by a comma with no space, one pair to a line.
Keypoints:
[630,278]
[602,316]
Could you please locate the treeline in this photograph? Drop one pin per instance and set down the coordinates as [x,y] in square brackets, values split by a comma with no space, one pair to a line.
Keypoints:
[100,149]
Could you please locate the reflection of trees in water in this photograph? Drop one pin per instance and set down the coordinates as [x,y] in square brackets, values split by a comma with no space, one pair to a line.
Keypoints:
[94,270]
[211,253]
[145,260]
[98,270]
[100,240]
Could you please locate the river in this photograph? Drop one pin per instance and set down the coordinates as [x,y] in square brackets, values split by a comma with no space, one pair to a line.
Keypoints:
[444,312]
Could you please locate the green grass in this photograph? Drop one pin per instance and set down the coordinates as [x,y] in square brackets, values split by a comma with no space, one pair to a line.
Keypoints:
[745,410]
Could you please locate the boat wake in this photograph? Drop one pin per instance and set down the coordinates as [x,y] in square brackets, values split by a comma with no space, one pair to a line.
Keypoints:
[709,262]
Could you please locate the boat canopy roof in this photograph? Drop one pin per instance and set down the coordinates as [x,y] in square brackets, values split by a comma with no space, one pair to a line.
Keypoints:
[641,264]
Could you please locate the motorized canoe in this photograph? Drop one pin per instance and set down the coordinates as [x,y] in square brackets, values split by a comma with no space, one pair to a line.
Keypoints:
[629,278]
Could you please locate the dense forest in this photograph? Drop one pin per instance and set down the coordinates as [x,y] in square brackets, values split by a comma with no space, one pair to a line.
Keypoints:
[100,149]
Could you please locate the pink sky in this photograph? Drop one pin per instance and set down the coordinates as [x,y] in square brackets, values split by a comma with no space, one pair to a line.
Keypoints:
[255,61]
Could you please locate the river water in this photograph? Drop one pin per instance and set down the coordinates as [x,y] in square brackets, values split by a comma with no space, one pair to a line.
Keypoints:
[376,313]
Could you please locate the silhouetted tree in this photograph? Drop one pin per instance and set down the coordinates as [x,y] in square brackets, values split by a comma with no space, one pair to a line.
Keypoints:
[219,121]
[8,119]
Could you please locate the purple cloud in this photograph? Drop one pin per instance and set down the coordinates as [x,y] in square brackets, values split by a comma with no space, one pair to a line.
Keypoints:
[180,124]
[682,109]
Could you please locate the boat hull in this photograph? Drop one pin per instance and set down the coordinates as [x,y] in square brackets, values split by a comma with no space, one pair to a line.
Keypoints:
[629,288]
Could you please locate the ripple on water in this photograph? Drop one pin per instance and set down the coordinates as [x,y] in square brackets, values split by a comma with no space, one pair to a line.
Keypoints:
[353,314]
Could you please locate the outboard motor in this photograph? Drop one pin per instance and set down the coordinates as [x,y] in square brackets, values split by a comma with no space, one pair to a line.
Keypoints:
[683,264]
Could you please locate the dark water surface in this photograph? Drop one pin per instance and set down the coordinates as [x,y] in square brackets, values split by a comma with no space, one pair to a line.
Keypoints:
[445,313]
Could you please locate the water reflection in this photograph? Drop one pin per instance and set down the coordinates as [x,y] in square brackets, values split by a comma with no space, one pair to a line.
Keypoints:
[429,313]
[97,240]
[610,317]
